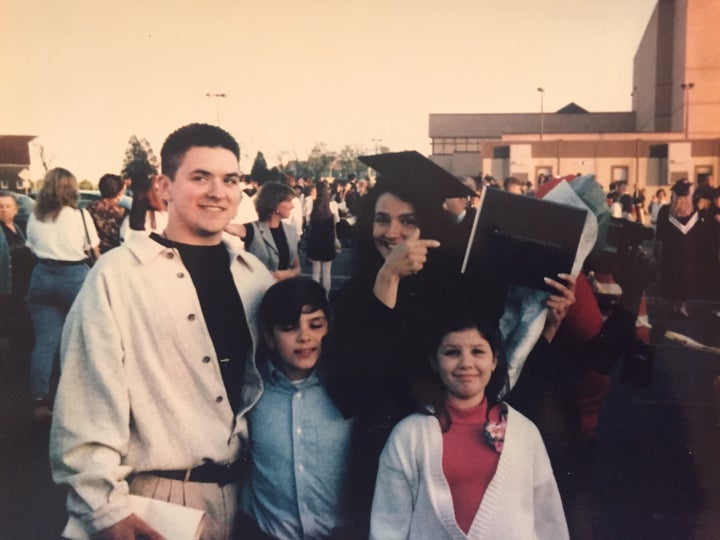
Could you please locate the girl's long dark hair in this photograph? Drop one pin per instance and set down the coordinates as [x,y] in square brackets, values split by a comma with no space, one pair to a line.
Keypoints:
[466,316]
[321,205]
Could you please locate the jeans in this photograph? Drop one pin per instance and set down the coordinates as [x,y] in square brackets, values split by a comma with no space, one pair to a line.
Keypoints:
[53,288]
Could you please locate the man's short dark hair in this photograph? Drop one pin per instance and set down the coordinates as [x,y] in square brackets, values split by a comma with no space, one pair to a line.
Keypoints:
[183,139]
[512,181]
[110,185]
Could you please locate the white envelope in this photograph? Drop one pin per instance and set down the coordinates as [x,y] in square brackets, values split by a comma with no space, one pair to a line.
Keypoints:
[173,521]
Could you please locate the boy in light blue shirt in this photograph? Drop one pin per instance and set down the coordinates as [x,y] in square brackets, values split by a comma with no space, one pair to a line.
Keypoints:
[300,440]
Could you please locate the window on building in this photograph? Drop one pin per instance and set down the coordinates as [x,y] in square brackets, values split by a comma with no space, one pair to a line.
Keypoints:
[657,165]
[473,145]
[703,174]
[619,173]
[658,151]
[541,173]
[443,146]
[451,145]
[4,184]
[501,152]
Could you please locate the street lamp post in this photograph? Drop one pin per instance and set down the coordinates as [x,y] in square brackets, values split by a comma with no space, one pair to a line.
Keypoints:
[217,103]
[542,112]
[686,112]
[377,144]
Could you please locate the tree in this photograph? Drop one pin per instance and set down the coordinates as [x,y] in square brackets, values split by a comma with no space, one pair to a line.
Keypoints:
[319,162]
[86,184]
[283,166]
[348,162]
[44,160]
[140,162]
[259,171]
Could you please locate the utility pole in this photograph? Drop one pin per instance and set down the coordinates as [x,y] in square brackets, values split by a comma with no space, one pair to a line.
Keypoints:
[217,103]
[542,112]
[686,112]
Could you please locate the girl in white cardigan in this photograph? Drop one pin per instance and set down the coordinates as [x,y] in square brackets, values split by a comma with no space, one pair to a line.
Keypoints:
[474,468]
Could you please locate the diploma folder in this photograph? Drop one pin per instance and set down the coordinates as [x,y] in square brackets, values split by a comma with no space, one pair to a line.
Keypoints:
[522,239]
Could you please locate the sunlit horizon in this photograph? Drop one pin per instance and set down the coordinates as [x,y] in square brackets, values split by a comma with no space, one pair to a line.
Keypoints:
[84,78]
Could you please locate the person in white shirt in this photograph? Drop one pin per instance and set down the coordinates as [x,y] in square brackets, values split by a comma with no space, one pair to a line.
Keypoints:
[58,234]
[148,213]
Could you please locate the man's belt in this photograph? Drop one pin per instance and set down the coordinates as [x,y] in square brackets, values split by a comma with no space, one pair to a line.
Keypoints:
[54,262]
[209,473]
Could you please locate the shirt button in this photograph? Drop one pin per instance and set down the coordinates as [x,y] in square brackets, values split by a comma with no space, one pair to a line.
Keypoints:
[218,399]
[298,395]
[206,359]
[191,317]
[169,255]
[301,467]
[298,431]
[180,275]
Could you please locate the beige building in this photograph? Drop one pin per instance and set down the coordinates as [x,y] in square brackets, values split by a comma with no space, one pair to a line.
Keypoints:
[672,131]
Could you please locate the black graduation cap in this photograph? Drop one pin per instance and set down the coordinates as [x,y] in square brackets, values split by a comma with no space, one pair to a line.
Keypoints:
[425,184]
[413,171]
[681,188]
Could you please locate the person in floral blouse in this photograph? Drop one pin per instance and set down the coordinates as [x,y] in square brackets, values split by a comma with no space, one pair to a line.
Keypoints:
[470,466]
[107,213]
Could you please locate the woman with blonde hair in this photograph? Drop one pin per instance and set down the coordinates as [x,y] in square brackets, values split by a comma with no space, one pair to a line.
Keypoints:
[59,235]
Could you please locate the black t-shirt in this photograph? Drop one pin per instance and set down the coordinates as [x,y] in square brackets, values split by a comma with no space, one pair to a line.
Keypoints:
[281,244]
[222,308]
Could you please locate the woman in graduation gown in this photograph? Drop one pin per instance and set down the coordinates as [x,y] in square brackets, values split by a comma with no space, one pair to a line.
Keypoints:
[407,260]
[678,242]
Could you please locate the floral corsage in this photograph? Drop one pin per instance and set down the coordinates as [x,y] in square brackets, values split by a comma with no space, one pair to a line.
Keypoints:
[494,432]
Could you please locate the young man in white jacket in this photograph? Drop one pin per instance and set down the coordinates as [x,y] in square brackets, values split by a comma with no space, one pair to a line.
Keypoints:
[158,358]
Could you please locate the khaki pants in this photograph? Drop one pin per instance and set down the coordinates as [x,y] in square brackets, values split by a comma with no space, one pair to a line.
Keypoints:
[220,503]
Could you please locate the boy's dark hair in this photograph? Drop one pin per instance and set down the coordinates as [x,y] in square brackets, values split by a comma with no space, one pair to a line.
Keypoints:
[285,301]
[110,185]
[183,139]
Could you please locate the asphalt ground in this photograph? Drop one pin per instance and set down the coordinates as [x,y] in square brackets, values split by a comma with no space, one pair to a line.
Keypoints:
[653,471]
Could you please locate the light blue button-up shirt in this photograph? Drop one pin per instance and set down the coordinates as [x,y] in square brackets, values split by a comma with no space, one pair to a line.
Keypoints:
[300,446]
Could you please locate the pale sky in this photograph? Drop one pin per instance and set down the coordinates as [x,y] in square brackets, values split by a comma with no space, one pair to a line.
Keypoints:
[83,76]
